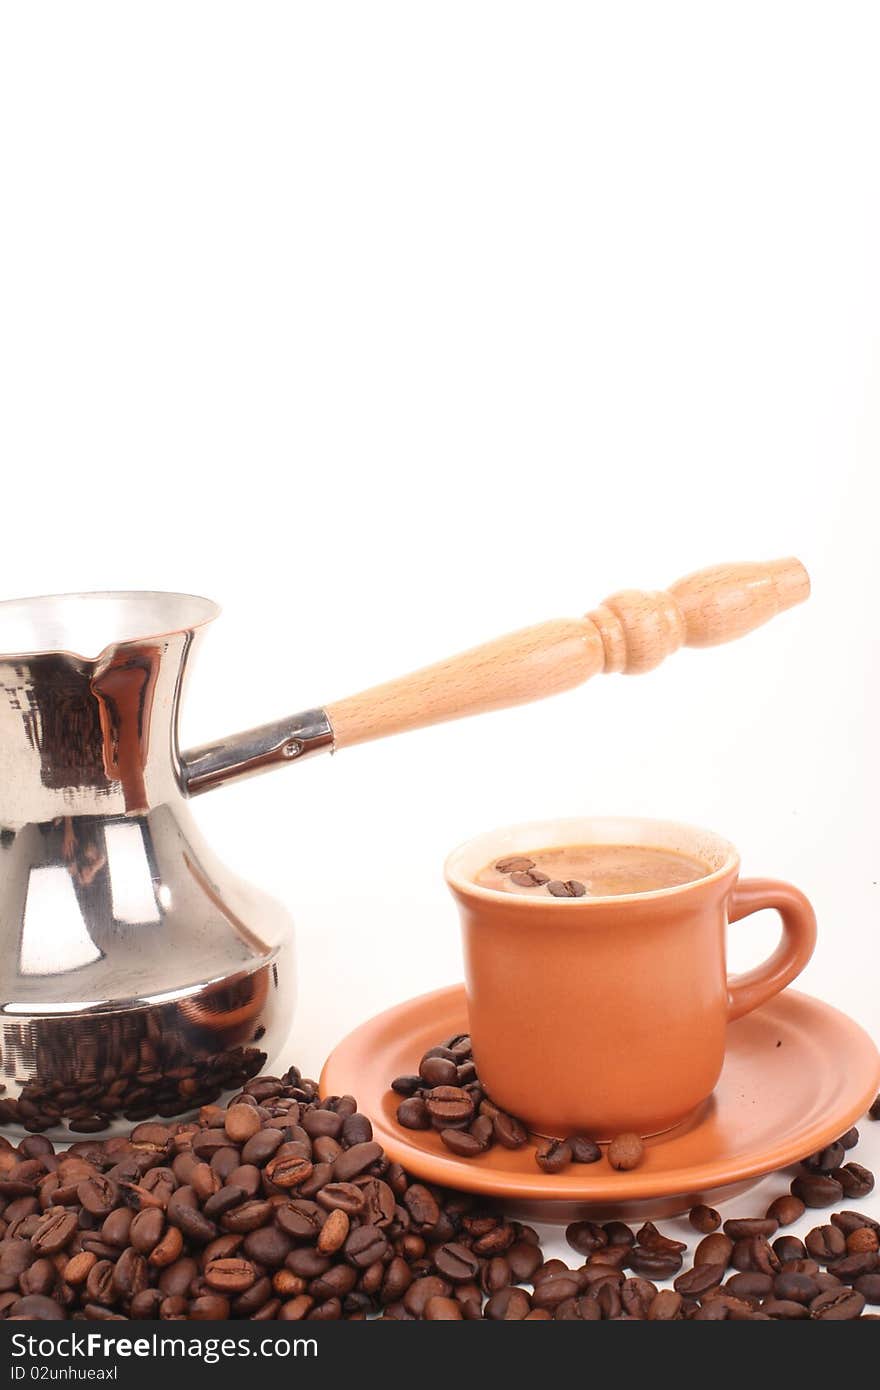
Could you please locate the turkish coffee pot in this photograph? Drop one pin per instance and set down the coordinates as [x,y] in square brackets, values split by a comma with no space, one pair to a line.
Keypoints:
[139,977]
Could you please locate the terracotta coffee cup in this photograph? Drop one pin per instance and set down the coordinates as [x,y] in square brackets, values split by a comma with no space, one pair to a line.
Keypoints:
[599,1015]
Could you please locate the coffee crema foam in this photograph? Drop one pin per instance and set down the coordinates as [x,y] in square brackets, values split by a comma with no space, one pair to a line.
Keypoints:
[597,871]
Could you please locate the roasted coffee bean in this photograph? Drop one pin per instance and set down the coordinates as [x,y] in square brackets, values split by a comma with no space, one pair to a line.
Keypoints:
[787,1309]
[407,1085]
[524,1259]
[365,1245]
[863,1241]
[850,1139]
[230,1276]
[852,1267]
[666,1306]
[529,878]
[54,1231]
[848,1221]
[825,1243]
[553,1155]
[343,1196]
[787,1248]
[130,1273]
[508,1131]
[37,1308]
[443,1310]
[651,1239]
[551,1290]
[98,1194]
[625,1152]
[619,1233]
[168,1249]
[261,1147]
[817,1190]
[797,1288]
[241,1122]
[456,1263]
[750,1284]
[583,1150]
[515,863]
[785,1210]
[837,1305]
[868,1285]
[874,1112]
[704,1219]
[413,1114]
[288,1171]
[742,1228]
[462,1143]
[566,888]
[508,1305]
[637,1295]
[696,1282]
[77,1267]
[146,1229]
[826,1160]
[855,1180]
[421,1290]
[656,1264]
[268,1246]
[448,1106]
[586,1236]
[438,1071]
[716,1248]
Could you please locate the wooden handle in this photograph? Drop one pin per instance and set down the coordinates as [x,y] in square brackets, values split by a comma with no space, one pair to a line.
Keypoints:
[630,632]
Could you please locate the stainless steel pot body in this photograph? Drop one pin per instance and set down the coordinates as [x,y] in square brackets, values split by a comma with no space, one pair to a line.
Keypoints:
[138,976]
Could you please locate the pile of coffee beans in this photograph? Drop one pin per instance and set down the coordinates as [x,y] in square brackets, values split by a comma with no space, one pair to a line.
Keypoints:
[281,1205]
[447,1096]
[833,1274]
[525,874]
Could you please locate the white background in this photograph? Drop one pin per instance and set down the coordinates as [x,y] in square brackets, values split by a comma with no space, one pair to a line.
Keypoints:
[397,326]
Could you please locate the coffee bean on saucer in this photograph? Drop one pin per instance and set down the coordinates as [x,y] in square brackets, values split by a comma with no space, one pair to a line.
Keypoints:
[529,878]
[855,1180]
[850,1139]
[566,888]
[413,1114]
[817,1190]
[874,1112]
[449,1105]
[553,1155]
[785,1209]
[516,863]
[704,1219]
[625,1152]
[462,1143]
[509,1132]
[583,1150]
[407,1085]
[438,1071]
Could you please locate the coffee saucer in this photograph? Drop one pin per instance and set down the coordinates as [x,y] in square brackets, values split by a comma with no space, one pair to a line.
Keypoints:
[797,1074]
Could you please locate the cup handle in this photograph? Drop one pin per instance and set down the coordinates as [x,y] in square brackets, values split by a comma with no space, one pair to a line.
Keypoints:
[755,987]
